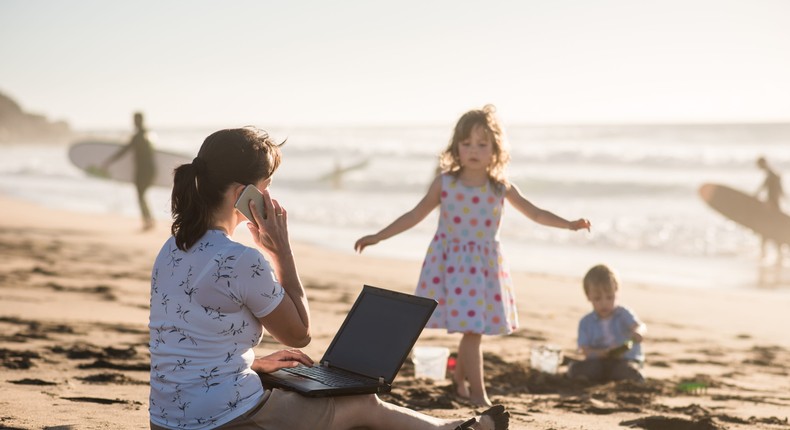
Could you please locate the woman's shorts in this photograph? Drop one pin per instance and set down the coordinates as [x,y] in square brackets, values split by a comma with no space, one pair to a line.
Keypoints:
[283,410]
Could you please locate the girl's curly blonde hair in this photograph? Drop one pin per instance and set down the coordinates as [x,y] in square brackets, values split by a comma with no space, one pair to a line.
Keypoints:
[449,161]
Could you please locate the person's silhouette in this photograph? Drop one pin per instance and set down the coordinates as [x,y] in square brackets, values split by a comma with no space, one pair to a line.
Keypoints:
[144,167]
[772,186]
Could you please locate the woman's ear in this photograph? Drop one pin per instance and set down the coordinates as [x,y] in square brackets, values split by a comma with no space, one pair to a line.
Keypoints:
[237,190]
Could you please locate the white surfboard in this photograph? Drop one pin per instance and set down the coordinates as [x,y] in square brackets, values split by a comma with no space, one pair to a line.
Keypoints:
[89,155]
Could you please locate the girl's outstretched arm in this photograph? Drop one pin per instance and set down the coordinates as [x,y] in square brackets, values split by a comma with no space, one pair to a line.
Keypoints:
[541,216]
[407,220]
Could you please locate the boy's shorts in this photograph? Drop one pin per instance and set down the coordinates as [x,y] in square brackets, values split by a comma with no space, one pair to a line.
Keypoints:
[606,369]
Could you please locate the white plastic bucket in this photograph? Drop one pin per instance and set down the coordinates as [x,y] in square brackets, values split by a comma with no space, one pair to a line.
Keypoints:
[430,362]
[546,358]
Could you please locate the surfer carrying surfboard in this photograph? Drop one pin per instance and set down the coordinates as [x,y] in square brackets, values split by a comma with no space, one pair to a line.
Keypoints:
[144,166]
[772,186]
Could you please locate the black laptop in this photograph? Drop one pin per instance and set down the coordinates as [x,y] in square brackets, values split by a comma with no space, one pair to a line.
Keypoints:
[368,350]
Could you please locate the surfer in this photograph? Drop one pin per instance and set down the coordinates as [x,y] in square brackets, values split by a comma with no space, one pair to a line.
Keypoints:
[335,177]
[772,186]
[144,167]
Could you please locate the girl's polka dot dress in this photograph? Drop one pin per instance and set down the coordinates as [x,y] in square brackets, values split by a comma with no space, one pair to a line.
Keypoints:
[464,269]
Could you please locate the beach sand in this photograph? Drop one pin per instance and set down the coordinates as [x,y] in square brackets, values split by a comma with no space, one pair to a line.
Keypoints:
[74,294]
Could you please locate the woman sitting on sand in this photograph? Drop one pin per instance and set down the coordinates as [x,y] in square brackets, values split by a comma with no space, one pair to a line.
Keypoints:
[212,297]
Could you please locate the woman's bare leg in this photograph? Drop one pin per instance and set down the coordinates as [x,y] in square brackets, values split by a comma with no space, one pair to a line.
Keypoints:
[368,411]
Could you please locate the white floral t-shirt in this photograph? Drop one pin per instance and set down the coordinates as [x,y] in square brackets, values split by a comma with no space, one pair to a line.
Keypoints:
[205,305]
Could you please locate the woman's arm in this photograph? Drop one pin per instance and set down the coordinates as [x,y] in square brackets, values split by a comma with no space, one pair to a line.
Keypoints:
[289,323]
[541,216]
[408,220]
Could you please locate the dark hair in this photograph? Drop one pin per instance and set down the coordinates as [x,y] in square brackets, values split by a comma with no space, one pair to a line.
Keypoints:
[239,155]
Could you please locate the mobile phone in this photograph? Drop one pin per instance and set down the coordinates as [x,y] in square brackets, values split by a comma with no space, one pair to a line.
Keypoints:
[250,193]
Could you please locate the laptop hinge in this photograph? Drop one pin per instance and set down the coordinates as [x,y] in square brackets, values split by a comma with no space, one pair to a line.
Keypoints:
[381,380]
[325,363]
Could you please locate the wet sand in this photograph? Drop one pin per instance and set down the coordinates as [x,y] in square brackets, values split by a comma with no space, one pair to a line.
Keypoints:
[74,293]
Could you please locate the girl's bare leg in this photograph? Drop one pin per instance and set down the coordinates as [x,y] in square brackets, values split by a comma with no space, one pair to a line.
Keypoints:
[470,354]
[459,376]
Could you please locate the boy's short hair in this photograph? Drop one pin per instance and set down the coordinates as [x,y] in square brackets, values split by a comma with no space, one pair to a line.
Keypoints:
[600,276]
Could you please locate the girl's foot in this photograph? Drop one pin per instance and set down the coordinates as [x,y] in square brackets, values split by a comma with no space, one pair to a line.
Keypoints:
[480,401]
[464,392]
[461,388]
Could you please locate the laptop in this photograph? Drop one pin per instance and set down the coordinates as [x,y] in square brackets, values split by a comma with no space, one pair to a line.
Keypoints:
[368,350]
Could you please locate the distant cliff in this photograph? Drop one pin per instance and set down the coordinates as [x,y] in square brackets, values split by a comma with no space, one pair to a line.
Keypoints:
[17,126]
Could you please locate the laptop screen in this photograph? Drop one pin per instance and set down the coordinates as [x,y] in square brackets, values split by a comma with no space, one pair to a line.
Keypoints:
[379,332]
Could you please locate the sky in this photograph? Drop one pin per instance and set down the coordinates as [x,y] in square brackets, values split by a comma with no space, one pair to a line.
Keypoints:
[203,63]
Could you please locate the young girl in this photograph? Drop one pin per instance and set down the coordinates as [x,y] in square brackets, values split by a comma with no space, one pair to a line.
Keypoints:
[464,269]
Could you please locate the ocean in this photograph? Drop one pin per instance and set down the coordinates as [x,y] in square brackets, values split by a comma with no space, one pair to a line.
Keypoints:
[637,184]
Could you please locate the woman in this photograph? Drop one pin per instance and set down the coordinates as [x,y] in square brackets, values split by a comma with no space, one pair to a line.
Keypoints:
[211,299]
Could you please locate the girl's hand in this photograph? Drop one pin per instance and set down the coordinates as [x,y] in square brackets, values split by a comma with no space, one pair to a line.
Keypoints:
[364,242]
[270,232]
[579,224]
[280,360]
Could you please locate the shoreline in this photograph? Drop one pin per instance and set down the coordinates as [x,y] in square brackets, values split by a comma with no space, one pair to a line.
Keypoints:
[73,313]
[738,273]
[686,244]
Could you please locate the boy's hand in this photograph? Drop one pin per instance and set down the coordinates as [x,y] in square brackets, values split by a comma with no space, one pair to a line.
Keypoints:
[636,332]
[618,351]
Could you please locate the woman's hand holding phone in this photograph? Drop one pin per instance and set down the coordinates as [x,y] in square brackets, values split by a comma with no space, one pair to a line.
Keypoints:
[269,225]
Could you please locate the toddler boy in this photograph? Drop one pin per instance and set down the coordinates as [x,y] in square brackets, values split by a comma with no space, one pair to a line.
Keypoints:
[610,336]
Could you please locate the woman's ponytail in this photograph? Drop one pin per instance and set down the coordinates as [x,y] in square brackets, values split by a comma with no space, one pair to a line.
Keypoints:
[190,212]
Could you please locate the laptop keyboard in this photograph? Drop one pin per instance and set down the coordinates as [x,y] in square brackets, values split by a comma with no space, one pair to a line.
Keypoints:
[321,374]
